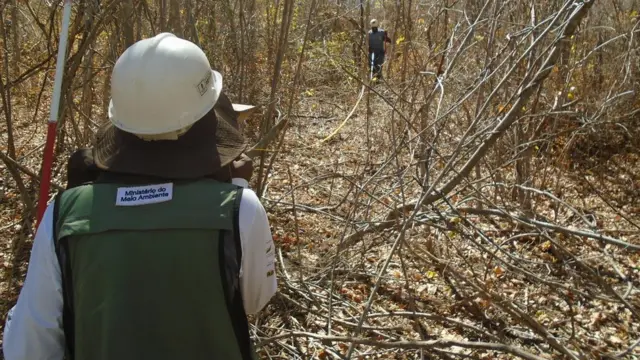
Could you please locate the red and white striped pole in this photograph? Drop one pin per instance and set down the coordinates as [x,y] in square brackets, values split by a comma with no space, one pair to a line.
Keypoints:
[53,113]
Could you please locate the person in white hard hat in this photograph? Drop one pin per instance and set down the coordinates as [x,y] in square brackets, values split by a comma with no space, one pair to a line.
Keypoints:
[155,257]
[377,41]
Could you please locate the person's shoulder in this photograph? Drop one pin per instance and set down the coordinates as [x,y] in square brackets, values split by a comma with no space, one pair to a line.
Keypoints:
[251,201]
[249,195]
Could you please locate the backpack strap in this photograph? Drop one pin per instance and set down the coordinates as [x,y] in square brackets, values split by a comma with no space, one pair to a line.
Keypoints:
[62,253]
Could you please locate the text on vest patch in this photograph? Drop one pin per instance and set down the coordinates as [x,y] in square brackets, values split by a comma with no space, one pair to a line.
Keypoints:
[143,195]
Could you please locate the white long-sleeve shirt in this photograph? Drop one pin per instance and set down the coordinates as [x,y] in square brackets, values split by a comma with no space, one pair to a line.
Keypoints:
[33,329]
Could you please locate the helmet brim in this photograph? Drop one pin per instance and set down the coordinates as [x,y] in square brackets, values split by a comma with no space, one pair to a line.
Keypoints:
[209,145]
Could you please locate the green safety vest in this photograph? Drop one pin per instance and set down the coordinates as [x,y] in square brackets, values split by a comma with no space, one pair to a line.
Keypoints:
[156,281]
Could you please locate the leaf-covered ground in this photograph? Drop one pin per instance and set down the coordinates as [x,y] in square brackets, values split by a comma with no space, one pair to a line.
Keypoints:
[453,276]
[454,279]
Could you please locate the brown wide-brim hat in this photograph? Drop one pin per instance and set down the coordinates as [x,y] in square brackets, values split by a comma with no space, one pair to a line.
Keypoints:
[209,145]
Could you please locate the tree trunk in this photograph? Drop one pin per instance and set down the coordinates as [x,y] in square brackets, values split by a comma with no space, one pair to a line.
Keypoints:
[127,21]
[175,23]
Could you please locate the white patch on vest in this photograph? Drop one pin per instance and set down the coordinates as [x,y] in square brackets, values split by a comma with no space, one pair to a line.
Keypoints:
[144,195]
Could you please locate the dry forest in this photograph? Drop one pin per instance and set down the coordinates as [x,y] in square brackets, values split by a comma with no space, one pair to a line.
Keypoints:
[481,201]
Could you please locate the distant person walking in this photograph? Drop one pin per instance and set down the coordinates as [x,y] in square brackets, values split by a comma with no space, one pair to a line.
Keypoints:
[377,48]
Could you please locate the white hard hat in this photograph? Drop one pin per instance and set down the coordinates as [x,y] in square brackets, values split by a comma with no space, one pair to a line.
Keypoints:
[162,84]
[374,23]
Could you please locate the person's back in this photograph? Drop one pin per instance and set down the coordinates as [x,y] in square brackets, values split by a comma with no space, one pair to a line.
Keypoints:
[149,281]
[377,39]
[157,258]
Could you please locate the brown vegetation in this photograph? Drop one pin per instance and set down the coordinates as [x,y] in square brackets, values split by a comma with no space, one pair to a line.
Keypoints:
[483,201]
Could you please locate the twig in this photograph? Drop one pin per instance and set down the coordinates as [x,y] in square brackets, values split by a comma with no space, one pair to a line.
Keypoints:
[403,344]
[508,307]
[558,228]
[436,318]
[336,320]
[264,142]
[4,157]
[628,350]
[295,221]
